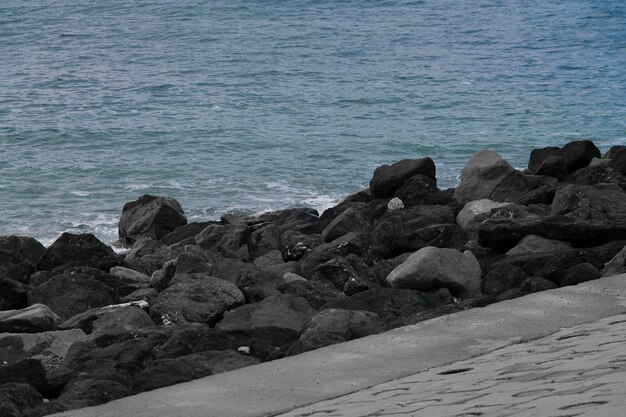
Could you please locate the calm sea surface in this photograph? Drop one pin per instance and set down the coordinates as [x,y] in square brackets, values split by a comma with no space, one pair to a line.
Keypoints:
[256,105]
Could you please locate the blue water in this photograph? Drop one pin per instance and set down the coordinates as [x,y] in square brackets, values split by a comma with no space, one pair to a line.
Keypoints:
[233,105]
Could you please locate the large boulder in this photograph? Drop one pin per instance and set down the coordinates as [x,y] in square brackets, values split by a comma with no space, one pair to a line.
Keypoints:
[15,347]
[315,293]
[537,244]
[18,399]
[475,212]
[304,220]
[597,174]
[195,298]
[19,254]
[580,273]
[185,233]
[264,240]
[229,240]
[165,372]
[481,175]
[13,294]
[356,243]
[616,265]
[80,249]
[70,294]
[502,278]
[598,201]
[150,216]
[351,220]
[342,273]
[149,255]
[27,371]
[524,189]
[408,230]
[504,233]
[335,326]
[127,316]
[34,319]
[421,190]
[388,178]
[391,305]
[281,311]
[576,154]
[431,268]
[618,159]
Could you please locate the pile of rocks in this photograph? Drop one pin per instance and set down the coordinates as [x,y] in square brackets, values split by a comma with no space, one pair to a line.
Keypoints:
[82,325]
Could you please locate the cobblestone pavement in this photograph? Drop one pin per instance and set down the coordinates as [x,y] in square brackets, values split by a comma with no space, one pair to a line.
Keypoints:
[577,371]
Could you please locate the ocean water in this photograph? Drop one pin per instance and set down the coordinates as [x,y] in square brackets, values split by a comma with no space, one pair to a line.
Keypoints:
[254,105]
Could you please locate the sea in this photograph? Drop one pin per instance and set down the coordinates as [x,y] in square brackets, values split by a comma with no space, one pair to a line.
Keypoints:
[247,106]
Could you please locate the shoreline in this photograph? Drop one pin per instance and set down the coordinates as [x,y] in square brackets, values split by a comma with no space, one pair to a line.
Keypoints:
[190,299]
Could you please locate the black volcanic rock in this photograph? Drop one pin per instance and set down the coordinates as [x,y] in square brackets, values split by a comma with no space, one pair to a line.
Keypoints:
[575,154]
[80,249]
[70,294]
[388,178]
[150,216]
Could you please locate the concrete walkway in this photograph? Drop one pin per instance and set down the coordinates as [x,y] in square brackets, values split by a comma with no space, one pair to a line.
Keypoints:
[554,353]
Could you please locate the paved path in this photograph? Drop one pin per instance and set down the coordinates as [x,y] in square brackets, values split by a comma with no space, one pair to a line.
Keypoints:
[410,361]
[577,371]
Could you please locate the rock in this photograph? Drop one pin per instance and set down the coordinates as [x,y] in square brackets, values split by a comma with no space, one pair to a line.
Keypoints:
[502,234]
[84,249]
[229,240]
[356,243]
[70,294]
[553,166]
[15,347]
[269,260]
[598,174]
[524,189]
[124,316]
[257,285]
[142,294]
[21,253]
[230,269]
[537,244]
[575,154]
[13,294]
[395,204]
[165,372]
[303,220]
[335,326]
[536,284]
[431,268]
[421,190]
[184,233]
[617,264]
[391,305]
[351,220]
[388,178]
[162,278]
[18,399]
[150,217]
[87,392]
[480,176]
[385,266]
[27,371]
[349,276]
[613,151]
[264,240]
[618,159]
[475,212]
[411,229]
[148,255]
[34,319]
[281,311]
[193,260]
[502,278]
[296,244]
[201,300]
[598,201]
[580,273]
[122,285]
[315,293]
[139,279]
[219,361]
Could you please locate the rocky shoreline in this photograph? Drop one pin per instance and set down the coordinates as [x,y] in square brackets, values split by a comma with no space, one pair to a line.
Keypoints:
[82,325]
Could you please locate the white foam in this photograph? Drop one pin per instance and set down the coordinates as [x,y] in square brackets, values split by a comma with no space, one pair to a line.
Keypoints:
[80,193]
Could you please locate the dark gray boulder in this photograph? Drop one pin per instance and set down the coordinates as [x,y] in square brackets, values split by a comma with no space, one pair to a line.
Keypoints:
[229,240]
[195,298]
[70,294]
[36,318]
[580,273]
[350,220]
[18,399]
[150,216]
[421,190]
[598,201]
[576,154]
[480,176]
[79,249]
[388,178]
